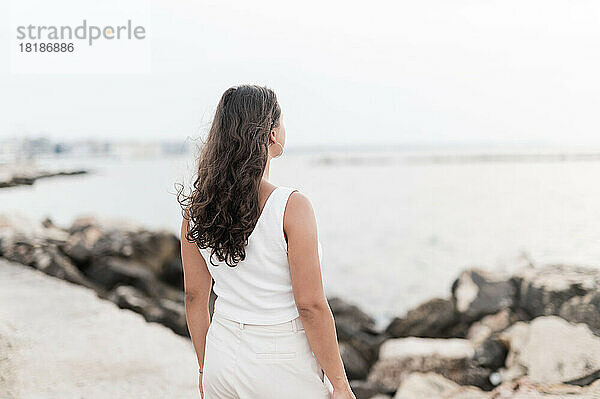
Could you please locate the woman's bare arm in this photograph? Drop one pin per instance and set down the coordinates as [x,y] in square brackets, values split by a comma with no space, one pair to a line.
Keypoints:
[300,227]
[197,285]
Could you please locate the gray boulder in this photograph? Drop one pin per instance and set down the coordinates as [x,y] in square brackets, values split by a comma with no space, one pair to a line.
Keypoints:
[127,297]
[583,309]
[355,327]
[163,311]
[79,246]
[491,353]
[93,238]
[110,272]
[478,293]
[366,344]
[356,366]
[49,259]
[42,255]
[435,318]
[543,291]
[484,328]
[173,316]
[367,390]
[451,357]
[351,315]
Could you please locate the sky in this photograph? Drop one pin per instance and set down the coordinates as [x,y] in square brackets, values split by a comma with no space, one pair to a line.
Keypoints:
[351,73]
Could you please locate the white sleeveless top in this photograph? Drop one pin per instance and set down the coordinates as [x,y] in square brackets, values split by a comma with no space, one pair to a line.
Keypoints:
[258,290]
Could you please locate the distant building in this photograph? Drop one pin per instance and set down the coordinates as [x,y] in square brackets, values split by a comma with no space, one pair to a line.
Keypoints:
[16,150]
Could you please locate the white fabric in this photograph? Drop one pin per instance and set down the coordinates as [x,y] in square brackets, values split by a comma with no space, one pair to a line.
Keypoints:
[258,290]
[245,361]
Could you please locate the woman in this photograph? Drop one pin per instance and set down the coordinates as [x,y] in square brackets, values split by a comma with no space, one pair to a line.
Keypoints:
[272,334]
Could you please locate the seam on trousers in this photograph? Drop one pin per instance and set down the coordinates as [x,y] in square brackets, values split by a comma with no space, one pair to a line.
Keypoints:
[238,339]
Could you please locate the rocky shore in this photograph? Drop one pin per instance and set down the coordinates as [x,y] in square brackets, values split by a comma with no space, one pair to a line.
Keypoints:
[532,334]
[26,177]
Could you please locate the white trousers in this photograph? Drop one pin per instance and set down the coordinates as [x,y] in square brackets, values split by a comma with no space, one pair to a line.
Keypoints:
[249,361]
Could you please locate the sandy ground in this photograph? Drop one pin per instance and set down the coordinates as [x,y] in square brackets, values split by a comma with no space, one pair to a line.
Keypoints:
[59,340]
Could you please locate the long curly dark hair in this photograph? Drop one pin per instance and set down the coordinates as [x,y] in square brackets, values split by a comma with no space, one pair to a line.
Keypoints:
[223,206]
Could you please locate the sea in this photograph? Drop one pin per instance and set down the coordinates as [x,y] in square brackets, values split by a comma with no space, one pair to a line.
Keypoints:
[396,226]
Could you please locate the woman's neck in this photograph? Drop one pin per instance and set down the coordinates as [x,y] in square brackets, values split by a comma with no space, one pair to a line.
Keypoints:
[266,171]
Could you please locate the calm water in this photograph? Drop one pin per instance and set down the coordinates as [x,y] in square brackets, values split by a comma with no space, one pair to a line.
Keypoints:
[393,233]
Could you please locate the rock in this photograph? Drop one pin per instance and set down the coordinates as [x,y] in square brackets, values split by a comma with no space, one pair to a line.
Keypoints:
[51,261]
[431,385]
[172,273]
[351,315]
[478,293]
[367,390]
[127,297]
[79,246]
[104,224]
[174,316]
[484,328]
[366,343]
[551,350]
[357,329]
[435,318]
[425,385]
[451,348]
[543,291]
[469,374]
[489,325]
[158,289]
[103,256]
[524,388]
[583,309]
[115,237]
[42,255]
[53,233]
[112,271]
[451,357]
[156,248]
[356,366]
[109,271]
[168,313]
[19,226]
[490,354]
[117,242]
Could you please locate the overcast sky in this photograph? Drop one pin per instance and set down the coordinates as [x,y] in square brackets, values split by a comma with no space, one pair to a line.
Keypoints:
[346,73]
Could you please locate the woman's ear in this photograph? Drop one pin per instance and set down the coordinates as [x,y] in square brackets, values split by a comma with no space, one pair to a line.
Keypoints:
[273,136]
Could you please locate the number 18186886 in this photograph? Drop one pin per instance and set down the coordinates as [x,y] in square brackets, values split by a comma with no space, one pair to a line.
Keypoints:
[46,47]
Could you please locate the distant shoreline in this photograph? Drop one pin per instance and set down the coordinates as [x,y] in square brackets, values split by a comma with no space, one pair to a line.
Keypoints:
[459,158]
[29,177]
[19,148]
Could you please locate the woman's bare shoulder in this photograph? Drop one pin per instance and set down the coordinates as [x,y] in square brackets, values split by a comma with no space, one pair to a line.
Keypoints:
[299,213]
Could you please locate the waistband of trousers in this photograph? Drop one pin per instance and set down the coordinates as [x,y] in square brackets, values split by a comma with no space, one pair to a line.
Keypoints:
[291,325]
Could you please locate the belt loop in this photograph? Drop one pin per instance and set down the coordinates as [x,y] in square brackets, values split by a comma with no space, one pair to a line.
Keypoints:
[241,325]
[295,325]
